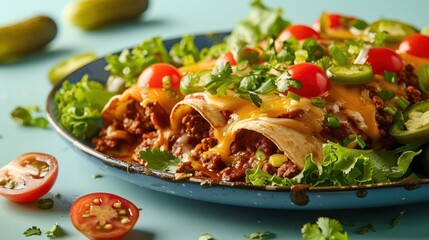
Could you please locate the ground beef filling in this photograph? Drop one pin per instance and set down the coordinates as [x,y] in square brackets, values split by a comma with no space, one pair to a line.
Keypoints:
[242,152]
[136,127]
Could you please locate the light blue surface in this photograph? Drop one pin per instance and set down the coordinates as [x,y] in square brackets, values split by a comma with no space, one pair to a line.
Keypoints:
[165,217]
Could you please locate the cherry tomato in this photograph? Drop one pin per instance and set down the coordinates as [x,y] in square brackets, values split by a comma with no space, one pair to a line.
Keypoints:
[300,32]
[28,177]
[226,57]
[102,216]
[153,76]
[416,45]
[384,59]
[249,54]
[313,79]
[336,21]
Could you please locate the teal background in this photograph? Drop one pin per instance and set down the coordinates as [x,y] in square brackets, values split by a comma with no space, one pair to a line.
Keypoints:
[166,217]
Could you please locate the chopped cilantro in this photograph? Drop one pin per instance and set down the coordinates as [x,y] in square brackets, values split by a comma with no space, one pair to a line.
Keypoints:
[25,116]
[324,228]
[159,160]
[395,220]
[260,235]
[55,231]
[33,231]
[206,236]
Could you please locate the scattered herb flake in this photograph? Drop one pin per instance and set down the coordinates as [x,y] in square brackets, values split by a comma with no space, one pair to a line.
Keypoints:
[395,220]
[366,228]
[55,231]
[33,231]
[45,203]
[96,175]
[24,117]
[260,235]
[206,236]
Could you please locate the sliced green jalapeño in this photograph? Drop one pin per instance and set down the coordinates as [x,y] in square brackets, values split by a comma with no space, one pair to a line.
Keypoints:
[194,82]
[413,125]
[395,30]
[353,74]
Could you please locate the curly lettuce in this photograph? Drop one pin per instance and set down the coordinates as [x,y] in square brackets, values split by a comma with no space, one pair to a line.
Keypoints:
[343,166]
[79,107]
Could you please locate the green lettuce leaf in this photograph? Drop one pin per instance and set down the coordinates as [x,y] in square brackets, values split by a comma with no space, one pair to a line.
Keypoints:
[79,106]
[343,166]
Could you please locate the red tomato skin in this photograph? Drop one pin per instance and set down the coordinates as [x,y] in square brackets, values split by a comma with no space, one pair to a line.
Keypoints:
[384,59]
[35,187]
[89,230]
[416,44]
[226,57]
[314,81]
[152,76]
[299,31]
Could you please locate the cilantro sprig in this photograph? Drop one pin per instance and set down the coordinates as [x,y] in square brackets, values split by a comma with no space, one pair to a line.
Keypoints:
[324,229]
[159,160]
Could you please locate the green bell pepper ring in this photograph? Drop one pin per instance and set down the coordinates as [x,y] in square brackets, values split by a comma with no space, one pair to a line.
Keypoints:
[413,125]
[352,74]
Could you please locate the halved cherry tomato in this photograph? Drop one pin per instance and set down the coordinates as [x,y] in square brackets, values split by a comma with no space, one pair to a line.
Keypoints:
[102,216]
[384,59]
[313,79]
[154,75]
[416,45]
[299,32]
[28,177]
[249,54]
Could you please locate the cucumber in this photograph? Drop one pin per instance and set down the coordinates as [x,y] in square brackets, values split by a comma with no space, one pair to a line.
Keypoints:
[25,37]
[94,14]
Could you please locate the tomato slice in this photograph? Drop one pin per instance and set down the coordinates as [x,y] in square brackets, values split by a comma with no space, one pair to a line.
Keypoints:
[102,216]
[416,45]
[314,81]
[155,75]
[299,32]
[28,177]
[384,59]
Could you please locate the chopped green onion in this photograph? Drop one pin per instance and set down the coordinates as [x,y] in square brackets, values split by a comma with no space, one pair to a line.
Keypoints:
[332,121]
[402,103]
[360,142]
[293,96]
[166,82]
[260,155]
[386,94]
[423,77]
[45,203]
[390,111]
[390,76]
[33,231]
[318,102]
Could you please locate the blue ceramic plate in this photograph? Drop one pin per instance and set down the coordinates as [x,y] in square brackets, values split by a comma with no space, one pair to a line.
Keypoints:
[297,197]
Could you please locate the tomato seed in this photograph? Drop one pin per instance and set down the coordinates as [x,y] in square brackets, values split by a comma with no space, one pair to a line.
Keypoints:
[96,201]
[125,220]
[117,205]
[122,212]
[108,226]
